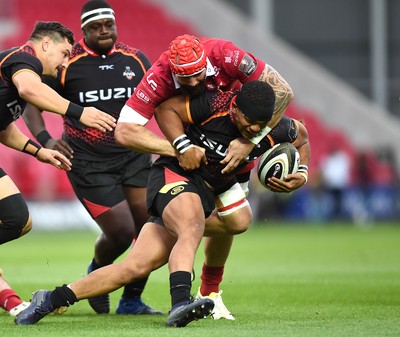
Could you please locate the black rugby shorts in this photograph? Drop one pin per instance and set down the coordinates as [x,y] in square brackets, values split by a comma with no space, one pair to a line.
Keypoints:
[103,182]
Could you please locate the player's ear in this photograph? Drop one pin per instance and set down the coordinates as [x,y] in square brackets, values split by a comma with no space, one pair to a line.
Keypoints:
[45,43]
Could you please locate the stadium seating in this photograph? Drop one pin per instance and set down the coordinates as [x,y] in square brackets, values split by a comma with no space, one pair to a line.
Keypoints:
[150,29]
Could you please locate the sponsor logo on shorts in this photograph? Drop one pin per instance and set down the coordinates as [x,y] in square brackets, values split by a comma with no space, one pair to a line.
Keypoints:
[176,190]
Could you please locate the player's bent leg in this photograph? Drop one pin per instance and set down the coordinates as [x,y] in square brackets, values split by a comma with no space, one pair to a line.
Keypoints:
[234,216]
[184,217]
[150,252]
[140,263]
[216,254]
[153,246]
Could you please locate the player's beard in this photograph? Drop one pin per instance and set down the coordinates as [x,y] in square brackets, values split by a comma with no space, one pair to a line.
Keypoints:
[194,91]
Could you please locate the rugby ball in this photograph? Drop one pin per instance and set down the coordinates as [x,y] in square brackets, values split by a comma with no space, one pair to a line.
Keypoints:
[280,160]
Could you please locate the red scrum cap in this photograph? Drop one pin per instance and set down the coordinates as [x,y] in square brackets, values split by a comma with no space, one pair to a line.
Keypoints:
[186,56]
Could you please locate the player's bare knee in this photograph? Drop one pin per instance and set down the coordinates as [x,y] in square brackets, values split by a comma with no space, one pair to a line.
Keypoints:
[238,228]
[239,221]
[135,271]
[15,220]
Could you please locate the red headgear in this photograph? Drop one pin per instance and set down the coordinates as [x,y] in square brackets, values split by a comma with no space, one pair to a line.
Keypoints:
[186,56]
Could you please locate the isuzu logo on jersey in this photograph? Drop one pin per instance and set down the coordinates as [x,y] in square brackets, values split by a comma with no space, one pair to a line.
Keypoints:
[218,148]
[128,73]
[104,94]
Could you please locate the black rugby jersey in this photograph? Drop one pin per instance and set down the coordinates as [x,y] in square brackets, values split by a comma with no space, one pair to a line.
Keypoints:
[105,82]
[12,61]
[213,128]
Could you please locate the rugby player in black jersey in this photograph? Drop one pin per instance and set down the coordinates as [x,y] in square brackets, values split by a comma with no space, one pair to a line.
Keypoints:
[180,199]
[21,69]
[109,180]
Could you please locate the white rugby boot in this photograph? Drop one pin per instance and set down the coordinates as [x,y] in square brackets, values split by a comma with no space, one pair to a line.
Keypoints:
[220,310]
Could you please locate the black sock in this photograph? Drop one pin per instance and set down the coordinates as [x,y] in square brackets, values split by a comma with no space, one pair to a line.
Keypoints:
[135,288]
[62,297]
[180,285]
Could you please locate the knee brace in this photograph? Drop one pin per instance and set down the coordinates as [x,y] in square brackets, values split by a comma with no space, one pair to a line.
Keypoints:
[14,216]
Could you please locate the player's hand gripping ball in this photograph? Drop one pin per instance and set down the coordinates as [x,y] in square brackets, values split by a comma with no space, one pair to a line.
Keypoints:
[280,160]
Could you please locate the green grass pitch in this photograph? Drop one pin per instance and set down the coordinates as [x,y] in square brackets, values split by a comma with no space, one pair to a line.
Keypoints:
[280,280]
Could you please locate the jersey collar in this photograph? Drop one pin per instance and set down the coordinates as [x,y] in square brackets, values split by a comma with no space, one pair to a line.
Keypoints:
[30,45]
[91,52]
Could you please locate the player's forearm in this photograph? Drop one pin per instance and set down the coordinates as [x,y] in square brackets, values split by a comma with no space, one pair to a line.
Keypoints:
[138,138]
[45,98]
[34,120]
[13,138]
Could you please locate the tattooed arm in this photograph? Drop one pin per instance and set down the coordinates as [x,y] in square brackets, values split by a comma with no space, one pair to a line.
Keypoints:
[283,92]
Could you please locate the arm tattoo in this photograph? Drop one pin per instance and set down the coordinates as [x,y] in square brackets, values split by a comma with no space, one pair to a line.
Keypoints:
[283,92]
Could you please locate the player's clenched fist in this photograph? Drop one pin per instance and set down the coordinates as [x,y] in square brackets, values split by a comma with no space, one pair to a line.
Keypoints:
[97,119]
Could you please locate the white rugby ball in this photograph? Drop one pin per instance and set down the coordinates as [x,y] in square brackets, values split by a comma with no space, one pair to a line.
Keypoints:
[280,160]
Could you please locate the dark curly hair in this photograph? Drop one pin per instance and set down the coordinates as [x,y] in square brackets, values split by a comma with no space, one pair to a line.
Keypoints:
[53,29]
[256,100]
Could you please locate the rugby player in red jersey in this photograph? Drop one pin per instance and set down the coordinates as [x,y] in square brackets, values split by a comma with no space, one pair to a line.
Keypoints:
[189,66]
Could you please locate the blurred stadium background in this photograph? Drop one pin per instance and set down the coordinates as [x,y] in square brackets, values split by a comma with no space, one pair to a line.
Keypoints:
[339,57]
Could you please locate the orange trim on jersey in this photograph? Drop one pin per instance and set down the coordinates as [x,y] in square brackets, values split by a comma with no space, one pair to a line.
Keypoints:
[134,56]
[17,50]
[20,71]
[271,140]
[188,114]
[219,114]
[235,204]
[71,60]
[94,209]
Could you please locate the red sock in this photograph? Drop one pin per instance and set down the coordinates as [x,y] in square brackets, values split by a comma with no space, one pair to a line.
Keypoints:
[9,299]
[211,278]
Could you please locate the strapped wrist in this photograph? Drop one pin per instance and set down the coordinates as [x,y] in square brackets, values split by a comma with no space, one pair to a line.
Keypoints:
[303,170]
[74,111]
[182,143]
[36,147]
[43,137]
